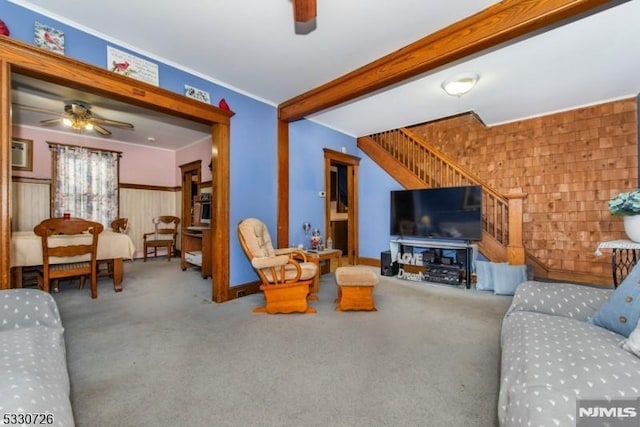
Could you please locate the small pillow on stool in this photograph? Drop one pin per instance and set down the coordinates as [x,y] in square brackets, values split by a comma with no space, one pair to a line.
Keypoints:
[355,288]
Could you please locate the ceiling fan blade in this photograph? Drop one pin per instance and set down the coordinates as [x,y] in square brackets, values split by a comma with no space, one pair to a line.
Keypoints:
[102,131]
[304,10]
[49,122]
[108,122]
[36,109]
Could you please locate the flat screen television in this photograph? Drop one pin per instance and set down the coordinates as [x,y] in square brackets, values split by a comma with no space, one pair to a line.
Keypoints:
[453,213]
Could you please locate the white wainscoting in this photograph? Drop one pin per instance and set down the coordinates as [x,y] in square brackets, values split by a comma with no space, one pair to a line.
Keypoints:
[30,204]
[141,206]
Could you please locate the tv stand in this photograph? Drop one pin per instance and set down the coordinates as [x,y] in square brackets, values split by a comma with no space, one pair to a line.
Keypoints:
[196,249]
[439,261]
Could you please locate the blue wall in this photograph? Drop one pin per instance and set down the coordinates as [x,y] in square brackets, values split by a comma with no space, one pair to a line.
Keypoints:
[253,159]
[306,174]
[375,185]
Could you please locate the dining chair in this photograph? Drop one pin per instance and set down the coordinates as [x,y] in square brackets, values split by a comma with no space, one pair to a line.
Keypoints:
[118,225]
[74,239]
[164,235]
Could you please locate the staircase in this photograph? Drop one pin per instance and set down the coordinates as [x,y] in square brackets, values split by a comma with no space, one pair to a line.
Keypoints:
[416,164]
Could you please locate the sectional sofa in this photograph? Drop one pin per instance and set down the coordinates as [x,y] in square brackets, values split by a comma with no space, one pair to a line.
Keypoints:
[555,351]
[34,381]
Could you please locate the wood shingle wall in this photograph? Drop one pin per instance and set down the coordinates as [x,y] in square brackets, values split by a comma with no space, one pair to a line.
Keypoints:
[570,164]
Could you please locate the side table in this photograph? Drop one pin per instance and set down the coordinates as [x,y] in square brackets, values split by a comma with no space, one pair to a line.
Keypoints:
[327,261]
[624,255]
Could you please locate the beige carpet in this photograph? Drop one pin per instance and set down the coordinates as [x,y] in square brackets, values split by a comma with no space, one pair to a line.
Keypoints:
[161,354]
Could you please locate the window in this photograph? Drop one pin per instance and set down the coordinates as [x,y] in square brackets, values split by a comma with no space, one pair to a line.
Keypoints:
[85,183]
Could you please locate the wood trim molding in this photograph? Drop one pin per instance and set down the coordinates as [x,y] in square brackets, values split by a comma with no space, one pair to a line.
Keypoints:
[205,184]
[189,171]
[5,173]
[244,289]
[191,166]
[283,185]
[332,157]
[341,157]
[220,260]
[148,187]
[500,23]
[372,262]
[46,65]
[44,181]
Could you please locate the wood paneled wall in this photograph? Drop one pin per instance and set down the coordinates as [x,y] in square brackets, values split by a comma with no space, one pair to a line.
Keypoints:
[570,164]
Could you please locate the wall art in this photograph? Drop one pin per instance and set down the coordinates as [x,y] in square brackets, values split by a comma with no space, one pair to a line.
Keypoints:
[48,38]
[196,93]
[132,66]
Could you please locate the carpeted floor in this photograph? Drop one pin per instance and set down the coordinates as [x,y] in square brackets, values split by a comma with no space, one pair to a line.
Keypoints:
[161,354]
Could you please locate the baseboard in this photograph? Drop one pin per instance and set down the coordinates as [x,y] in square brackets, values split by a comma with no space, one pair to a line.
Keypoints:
[245,289]
[373,262]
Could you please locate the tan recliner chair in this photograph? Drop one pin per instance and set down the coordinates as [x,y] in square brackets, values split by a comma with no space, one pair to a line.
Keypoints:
[285,273]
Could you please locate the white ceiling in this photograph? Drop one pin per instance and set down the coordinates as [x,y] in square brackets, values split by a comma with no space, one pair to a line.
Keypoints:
[250,46]
[150,127]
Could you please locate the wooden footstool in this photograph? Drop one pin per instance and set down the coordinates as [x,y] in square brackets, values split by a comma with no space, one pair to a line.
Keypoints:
[355,288]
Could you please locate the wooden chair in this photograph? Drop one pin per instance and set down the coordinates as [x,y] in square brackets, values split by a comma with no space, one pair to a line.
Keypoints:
[118,225]
[285,273]
[57,236]
[164,236]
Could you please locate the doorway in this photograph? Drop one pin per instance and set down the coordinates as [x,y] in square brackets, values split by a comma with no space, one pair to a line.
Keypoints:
[341,202]
[33,62]
[190,183]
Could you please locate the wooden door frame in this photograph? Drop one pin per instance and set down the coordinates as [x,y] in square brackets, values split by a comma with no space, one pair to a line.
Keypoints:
[190,169]
[352,163]
[22,58]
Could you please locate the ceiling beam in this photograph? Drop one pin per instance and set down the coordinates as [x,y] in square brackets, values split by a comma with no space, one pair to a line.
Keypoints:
[499,23]
[304,10]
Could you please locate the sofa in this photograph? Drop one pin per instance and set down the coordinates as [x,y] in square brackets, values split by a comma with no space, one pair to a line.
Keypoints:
[34,381]
[554,353]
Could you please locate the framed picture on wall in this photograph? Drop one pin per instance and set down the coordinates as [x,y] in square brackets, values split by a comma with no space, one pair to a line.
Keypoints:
[22,154]
[196,93]
[48,38]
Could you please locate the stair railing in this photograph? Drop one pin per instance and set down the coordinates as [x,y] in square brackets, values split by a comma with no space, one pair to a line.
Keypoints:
[501,216]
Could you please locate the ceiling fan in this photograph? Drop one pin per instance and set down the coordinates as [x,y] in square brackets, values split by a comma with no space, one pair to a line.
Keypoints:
[78,116]
[304,14]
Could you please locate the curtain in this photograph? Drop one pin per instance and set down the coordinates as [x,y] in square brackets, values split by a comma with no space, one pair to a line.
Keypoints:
[85,183]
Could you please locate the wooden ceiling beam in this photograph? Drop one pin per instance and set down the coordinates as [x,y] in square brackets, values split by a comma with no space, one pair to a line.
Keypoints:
[499,23]
[304,10]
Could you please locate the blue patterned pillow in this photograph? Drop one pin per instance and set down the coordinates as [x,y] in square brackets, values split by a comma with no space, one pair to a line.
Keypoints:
[621,311]
[507,278]
[484,276]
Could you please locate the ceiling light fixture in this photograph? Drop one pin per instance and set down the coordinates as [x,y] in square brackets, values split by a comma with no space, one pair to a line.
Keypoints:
[77,123]
[460,84]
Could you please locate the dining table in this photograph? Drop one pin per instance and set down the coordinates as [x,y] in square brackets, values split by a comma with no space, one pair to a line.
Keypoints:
[26,251]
